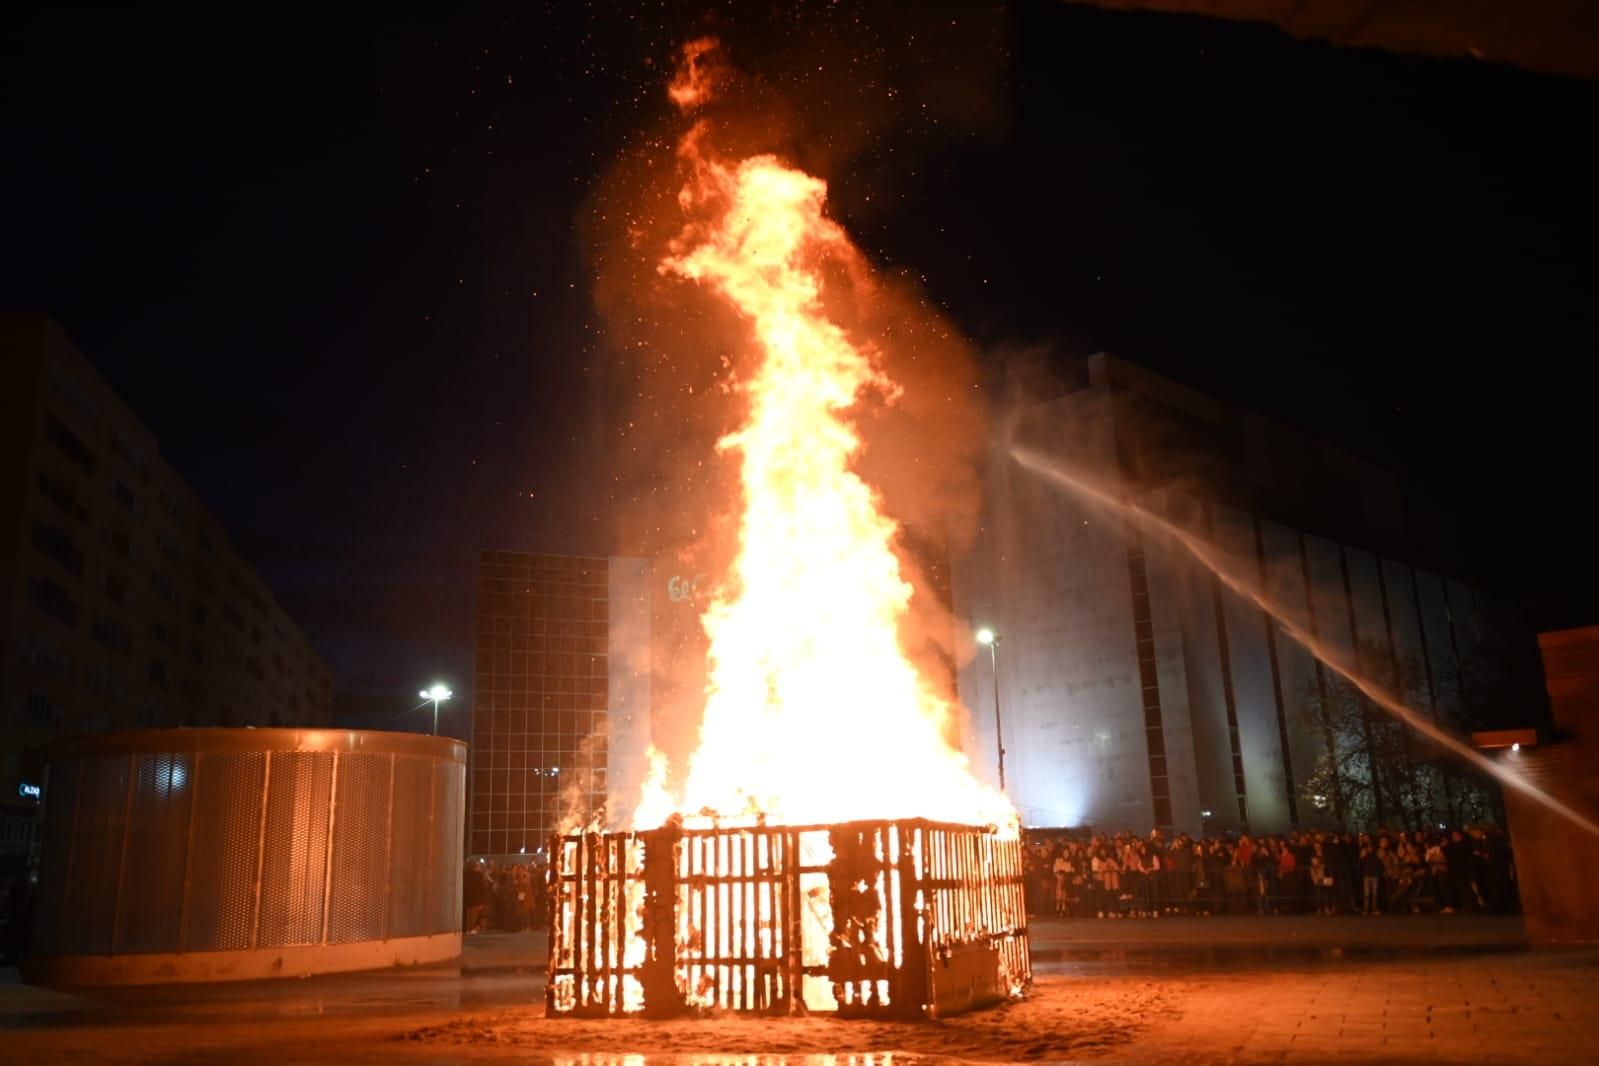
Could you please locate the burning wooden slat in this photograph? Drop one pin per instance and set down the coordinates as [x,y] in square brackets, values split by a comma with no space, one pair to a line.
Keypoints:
[904,919]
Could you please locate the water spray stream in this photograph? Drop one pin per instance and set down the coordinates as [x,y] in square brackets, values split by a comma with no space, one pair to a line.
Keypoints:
[1051,471]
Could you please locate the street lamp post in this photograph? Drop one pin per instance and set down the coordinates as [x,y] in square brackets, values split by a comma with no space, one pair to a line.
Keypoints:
[437,694]
[991,639]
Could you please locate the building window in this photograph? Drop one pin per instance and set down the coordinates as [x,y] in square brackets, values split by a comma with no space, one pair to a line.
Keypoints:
[110,632]
[1149,681]
[158,673]
[118,540]
[162,586]
[63,494]
[125,497]
[202,580]
[171,504]
[75,393]
[116,588]
[39,711]
[133,455]
[69,444]
[57,544]
[40,652]
[53,600]
[101,680]
[168,547]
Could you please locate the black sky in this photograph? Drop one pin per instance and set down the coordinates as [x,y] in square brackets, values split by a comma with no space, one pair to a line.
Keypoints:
[332,258]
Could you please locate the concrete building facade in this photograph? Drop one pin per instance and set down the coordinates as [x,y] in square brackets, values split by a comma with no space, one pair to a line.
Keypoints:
[561,695]
[1138,685]
[122,605]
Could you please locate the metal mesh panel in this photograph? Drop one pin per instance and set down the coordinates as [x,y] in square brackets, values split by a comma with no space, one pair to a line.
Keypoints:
[357,905]
[448,817]
[227,836]
[89,897]
[294,865]
[441,890]
[409,867]
[61,799]
[151,894]
[154,850]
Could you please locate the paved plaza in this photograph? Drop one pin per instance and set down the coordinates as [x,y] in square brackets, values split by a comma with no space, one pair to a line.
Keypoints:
[1226,990]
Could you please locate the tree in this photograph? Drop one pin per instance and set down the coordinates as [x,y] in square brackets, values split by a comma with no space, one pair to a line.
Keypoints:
[1379,769]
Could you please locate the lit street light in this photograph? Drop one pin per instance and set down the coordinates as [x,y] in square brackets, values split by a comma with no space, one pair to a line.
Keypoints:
[990,639]
[437,694]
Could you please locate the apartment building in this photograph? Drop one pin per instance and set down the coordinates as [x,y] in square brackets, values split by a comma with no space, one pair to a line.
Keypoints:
[122,604]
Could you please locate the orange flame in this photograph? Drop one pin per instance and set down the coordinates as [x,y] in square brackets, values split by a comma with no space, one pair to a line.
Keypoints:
[814,712]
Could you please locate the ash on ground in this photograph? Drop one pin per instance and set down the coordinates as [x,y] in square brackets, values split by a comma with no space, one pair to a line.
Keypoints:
[1061,1018]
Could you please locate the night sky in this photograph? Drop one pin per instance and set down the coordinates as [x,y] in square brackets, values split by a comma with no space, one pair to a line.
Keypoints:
[336,260]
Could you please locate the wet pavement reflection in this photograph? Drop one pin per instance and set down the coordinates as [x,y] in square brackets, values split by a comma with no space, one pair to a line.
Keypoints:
[428,990]
[1099,981]
[1172,960]
[387,992]
[883,1058]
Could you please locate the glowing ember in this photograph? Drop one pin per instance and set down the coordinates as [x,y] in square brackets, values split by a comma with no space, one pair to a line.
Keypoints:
[698,76]
[814,712]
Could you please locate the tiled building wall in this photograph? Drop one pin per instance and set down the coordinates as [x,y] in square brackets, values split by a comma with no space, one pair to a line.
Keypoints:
[539,722]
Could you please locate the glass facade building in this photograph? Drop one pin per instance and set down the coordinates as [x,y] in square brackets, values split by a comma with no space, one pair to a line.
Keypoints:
[550,675]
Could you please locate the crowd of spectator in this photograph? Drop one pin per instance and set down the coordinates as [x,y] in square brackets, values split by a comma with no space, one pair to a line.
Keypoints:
[1127,876]
[1310,872]
[503,897]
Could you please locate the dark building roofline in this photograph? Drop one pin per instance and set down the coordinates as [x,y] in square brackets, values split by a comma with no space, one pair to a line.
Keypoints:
[1108,369]
[1385,520]
[39,332]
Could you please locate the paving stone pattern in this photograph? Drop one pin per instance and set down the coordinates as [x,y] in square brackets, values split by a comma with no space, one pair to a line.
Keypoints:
[1533,1007]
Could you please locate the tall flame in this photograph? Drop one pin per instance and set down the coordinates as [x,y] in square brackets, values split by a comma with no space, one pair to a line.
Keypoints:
[814,711]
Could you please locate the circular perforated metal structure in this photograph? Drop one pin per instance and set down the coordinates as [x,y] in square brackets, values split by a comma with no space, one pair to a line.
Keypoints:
[205,854]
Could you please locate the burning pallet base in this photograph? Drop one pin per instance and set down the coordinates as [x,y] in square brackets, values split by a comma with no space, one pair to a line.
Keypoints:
[884,919]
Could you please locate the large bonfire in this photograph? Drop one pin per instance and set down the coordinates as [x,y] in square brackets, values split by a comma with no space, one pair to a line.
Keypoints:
[814,712]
